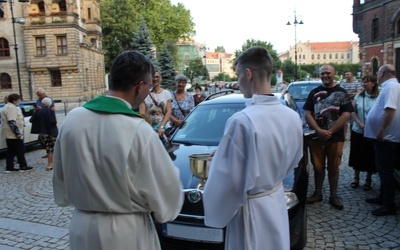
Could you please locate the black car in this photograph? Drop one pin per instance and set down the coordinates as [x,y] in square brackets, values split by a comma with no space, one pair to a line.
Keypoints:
[201,132]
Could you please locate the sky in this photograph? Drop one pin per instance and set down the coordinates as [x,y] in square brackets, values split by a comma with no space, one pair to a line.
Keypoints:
[229,23]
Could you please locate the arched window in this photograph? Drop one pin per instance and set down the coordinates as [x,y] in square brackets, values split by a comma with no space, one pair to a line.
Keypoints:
[4,48]
[375,67]
[398,27]
[5,80]
[1,13]
[63,5]
[41,7]
[375,29]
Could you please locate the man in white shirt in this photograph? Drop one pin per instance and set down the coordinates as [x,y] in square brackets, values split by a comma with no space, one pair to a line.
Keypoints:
[383,127]
[252,159]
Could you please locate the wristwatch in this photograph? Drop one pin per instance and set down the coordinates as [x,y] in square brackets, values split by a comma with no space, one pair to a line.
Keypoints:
[162,127]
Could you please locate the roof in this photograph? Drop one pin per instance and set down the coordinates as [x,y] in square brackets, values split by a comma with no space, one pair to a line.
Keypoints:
[331,45]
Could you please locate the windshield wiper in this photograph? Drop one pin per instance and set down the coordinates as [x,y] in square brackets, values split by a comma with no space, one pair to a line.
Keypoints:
[187,143]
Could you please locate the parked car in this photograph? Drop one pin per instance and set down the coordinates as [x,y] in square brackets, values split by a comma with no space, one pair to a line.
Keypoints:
[201,132]
[300,90]
[27,108]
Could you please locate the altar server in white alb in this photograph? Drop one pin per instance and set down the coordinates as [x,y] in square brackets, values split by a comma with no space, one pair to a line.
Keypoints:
[244,190]
[111,166]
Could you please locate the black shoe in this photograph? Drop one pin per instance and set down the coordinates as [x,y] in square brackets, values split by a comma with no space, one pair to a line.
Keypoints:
[314,198]
[383,211]
[10,170]
[376,200]
[336,202]
[27,168]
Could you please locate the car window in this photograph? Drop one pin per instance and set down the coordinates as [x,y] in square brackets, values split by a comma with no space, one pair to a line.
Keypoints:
[300,92]
[27,109]
[205,125]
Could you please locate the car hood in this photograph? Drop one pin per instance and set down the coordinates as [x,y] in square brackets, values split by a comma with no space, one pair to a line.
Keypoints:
[180,155]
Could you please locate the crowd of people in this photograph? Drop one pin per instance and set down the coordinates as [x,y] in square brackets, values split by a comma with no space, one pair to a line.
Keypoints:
[375,134]
[138,181]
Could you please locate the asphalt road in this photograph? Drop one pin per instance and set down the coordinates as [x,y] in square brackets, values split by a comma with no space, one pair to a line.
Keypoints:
[29,219]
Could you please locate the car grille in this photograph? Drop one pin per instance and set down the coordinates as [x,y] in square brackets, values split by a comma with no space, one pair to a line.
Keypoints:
[176,244]
[190,208]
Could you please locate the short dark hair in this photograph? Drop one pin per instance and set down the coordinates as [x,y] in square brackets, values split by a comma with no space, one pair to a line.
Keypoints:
[256,58]
[13,97]
[198,87]
[128,69]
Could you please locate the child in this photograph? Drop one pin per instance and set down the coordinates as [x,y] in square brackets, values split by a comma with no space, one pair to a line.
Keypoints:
[156,117]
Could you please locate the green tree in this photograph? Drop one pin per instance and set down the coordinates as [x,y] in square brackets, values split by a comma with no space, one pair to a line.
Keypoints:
[118,27]
[166,66]
[196,69]
[142,42]
[220,49]
[121,19]
[223,77]
[251,42]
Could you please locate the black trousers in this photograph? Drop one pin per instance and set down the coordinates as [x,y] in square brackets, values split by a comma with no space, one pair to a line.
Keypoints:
[15,147]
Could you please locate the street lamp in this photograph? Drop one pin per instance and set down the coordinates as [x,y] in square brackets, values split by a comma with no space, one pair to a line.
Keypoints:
[14,20]
[205,59]
[295,42]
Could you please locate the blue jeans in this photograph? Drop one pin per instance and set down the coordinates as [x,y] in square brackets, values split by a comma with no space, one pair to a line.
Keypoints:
[386,160]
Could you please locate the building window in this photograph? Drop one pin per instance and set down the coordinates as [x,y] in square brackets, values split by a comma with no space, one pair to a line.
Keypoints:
[5,80]
[55,78]
[62,45]
[304,57]
[330,56]
[40,46]
[4,48]
[312,57]
[324,56]
[336,56]
[348,55]
[89,14]
[375,29]
[62,5]
[342,56]
[41,7]
[1,13]
[318,56]
[398,27]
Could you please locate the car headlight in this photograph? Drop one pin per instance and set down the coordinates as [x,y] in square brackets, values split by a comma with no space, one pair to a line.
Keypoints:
[291,200]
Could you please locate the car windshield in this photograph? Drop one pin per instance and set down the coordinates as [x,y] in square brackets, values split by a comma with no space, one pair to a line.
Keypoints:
[205,125]
[301,91]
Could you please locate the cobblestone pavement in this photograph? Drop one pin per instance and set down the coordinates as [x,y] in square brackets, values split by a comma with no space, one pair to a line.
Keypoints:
[29,219]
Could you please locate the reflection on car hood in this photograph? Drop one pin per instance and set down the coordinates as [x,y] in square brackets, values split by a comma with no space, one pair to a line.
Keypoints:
[180,156]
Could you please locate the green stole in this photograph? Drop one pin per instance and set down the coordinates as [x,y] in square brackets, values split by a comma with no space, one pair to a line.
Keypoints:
[110,105]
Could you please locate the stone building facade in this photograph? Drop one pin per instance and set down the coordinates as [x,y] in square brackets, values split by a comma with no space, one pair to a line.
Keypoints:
[323,52]
[377,23]
[59,49]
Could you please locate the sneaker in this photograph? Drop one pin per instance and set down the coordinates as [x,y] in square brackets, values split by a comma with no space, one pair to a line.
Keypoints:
[376,200]
[383,211]
[11,170]
[314,198]
[336,202]
[27,168]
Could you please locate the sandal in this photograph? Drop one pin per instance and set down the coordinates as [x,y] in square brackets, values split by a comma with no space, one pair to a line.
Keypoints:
[354,183]
[49,168]
[367,185]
